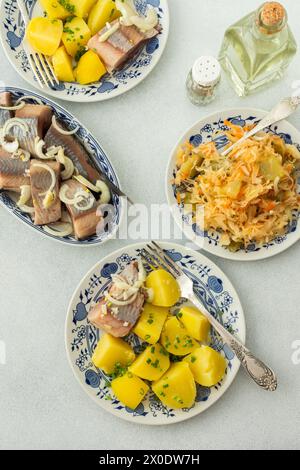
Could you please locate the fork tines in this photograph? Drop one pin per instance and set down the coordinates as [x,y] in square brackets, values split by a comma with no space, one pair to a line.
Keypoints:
[157,258]
[42,69]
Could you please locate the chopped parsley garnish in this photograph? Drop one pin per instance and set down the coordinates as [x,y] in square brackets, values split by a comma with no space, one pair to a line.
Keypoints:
[193,359]
[119,371]
[67,6]
[81,51]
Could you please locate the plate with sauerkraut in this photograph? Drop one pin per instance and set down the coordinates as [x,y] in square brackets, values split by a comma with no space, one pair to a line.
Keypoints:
[244,205]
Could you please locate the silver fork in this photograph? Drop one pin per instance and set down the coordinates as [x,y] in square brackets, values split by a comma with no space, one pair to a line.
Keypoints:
[281,111]
[39,63]
[156,257]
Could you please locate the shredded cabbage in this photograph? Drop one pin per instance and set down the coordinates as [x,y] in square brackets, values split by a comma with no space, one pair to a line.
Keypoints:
[249,195]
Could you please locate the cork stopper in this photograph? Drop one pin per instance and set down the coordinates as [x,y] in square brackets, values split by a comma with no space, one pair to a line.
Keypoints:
[272,14]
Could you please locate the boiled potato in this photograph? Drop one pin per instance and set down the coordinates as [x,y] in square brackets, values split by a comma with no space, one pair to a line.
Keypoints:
[89,69]
[76,35]
[177,388]
[102,12]
[195,322]
[82,7]
[151,322]
[175,338]
[129,389]
[111,351]
[62,64]
[166,292]
[207,365]
[152,363]
[54,9]
[44,35]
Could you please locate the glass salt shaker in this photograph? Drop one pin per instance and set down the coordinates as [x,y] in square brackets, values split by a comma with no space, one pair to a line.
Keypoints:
[203,80]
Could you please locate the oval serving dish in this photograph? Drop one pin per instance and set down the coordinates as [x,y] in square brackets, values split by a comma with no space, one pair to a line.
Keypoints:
[96,153]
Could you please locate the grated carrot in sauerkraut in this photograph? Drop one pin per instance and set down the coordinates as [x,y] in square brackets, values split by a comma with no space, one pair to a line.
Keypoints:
[249,195]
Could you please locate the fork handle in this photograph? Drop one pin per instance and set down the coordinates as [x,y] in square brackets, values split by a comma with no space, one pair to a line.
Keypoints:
[23,11]
[263,375]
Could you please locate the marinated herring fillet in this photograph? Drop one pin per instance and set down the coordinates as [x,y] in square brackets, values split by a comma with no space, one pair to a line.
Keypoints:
[121,45]
[84,221]
[5,114]
[41,180]
[13,172]
[42,113]
[119,318]
[74,150]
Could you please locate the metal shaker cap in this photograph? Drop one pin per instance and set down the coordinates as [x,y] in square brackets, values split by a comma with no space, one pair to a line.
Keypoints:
[206,71]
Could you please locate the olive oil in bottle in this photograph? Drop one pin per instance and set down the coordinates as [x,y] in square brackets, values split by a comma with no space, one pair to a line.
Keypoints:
[258,48]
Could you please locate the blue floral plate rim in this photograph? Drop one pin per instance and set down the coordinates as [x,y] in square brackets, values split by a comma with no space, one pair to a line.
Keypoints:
[87,139]
[201,131]
[110,86]
[81,338]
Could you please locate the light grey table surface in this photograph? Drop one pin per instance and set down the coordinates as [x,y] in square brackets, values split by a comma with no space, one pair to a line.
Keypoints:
[41,404]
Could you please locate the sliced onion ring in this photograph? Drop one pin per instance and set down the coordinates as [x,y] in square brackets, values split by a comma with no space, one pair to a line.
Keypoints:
[15,122]
[39,144]
[99,187]
[27,209]
[25,195]
[63,131]
[59,229]
[21,154]
[15,107]
[120,303]
[29,97]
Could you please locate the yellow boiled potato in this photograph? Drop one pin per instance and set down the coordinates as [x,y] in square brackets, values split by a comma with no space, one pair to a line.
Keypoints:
[102,12]
[166,292]
[81,7]
[151,363]
[62,64]
[207,366]
[177,388]
[195,322]
[129,389]
[44,35]
[54,9]
[111,351]
[89,69]
[175,338]
[151,322]
[76,35]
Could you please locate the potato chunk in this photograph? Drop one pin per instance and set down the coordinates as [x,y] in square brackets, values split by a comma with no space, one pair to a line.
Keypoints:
[82,7]
[166,292]
[104,11]
[89,69]
[62,64]
[44,35]
[207,366]
[54,9]
[129,389]
[111,351]
[177,388]
[75,36]
[195,322]
[151,322]
[152,363]
[175,338]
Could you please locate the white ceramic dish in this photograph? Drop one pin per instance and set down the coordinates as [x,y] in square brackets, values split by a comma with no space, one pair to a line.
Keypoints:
[110,86]
[81,337]
[204,131]
[96,153]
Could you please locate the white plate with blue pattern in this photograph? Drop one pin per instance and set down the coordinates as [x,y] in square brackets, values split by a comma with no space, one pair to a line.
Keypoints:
[219,297]
[95,151]
[205,131]
[12,33]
